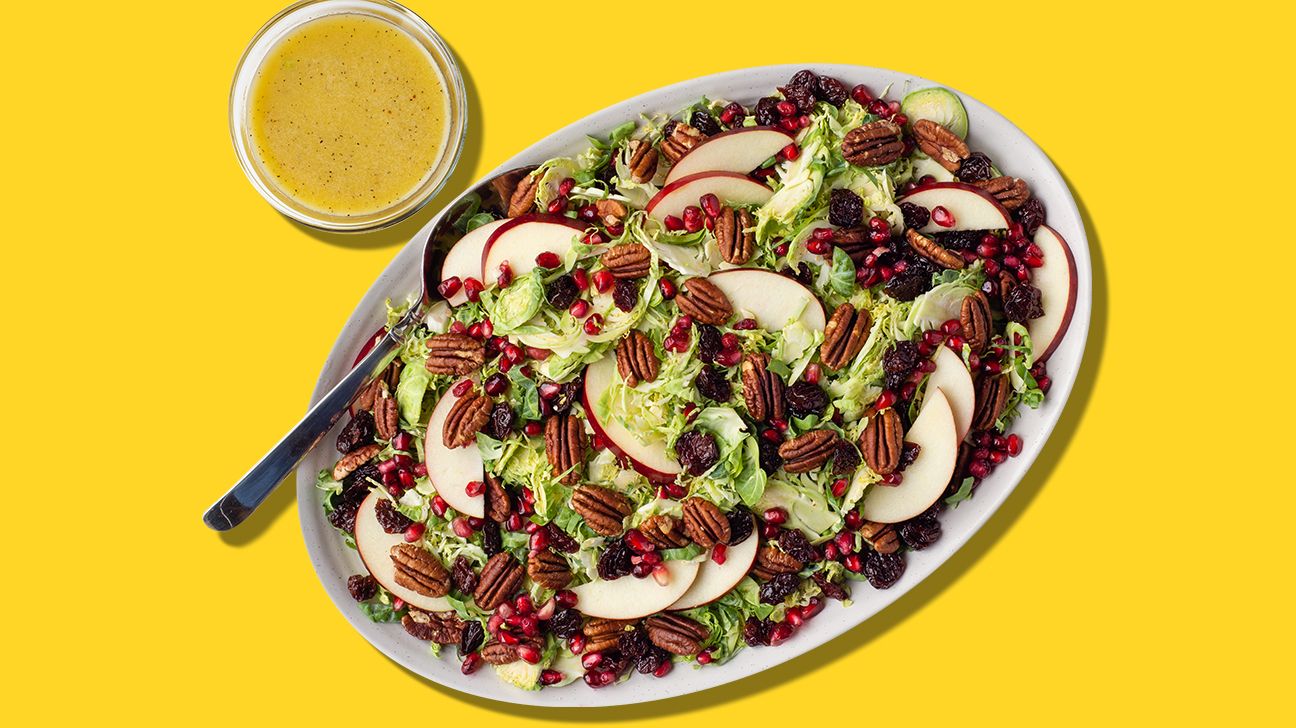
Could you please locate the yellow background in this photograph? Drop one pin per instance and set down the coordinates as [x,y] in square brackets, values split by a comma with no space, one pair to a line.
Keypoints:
[163,326]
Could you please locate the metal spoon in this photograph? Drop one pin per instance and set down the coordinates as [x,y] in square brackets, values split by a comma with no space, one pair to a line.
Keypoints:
[259,482]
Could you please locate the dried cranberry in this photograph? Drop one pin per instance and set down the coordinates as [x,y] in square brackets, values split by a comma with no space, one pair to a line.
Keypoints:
[710,343]
[492,541]
[560,541]
[391,520]
[960,239]
[779,588]
[921,532]
[562,292]
[831,589]
[805,399]
[704,122]
[634,643]
[712,384]
[802,96]
[805,78]
[909,452]
[697,452]
[1023,303]
[846,459]
[740,525]
[915,216]
[343,516]
[357,433]
[832,91]
[756,632]
[908,285]
[502,420]
[565,623]
[767,111]
[356,485]
[562,403]
[626,294]
[471,638]
[1030,215]
[651,660]
[901,358]
[362,587]
[770,460]
[795,544]
[614,562]
[976,168]
[883,570]
[802,274]
[845,208]
[463,577]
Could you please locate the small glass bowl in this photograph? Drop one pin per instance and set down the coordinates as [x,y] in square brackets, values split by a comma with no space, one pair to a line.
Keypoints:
[398,15]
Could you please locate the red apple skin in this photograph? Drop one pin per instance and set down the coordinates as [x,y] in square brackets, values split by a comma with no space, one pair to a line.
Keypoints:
[529,217]
[1071,298]
[959,186]
[656,477]
[670,188]
[813,297]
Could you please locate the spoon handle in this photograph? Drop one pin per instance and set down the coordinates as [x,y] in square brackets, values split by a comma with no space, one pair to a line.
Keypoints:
[253,488]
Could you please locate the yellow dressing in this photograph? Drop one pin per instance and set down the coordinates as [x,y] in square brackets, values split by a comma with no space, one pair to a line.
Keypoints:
[347,114]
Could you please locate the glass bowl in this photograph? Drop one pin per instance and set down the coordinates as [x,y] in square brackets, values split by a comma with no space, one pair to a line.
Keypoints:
[444,64]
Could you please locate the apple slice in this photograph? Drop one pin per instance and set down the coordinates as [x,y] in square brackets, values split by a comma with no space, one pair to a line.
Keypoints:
[737,150]
[451,470]
[375,545]
[521,239]
[464,259]
[632,598]
[925,479]
[951,377]
[1056,280]
[971,208]
[773,300]
[715,580]
[649,458]
[730,187]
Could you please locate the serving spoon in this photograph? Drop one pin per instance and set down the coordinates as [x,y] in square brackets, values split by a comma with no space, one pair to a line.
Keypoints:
[253,488]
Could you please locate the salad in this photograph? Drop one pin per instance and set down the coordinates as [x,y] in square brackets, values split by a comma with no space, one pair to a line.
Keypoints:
[692,383]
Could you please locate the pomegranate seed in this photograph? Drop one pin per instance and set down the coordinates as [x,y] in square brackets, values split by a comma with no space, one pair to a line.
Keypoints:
[402,441]
[900,119]
[839,487]
[557,205]
[387,466]
[893,479]
[775,516]
[550,677]
[667,289]
[942,217]
[514,522]
[683,323]
[817,246]
[420,470]
[532,429]
[979,469]
[933,337]
[877,107]
[884,400]
[1044,383]
[461,528]
[676,490]
[853,562]
[475,331]
[729,358]
[803,121]
[473,288]
[789,124]
[663,669]
[692,218]
[830,551]
[439,506]
[710,204]
[772,435]
[854,519]
[1032,261]
[747,324]
[955,343]
[505,275]
[402,460]
[580,278]
[539,539]
[674,224]
[893,107]
[548,259]
[887,272]
[450,286]
[593,238]
[953,326]
[991,366]
[878,236]
[565,186]
[588,213]
[781,249]
[470,663]
[513,353]
[652,558]
[414,532]
[770,531]
[845,541]
[718,553]
[565,598]
[1013,445]
[704,657]
[926,366]
[638,542]
[998,457]
[529,654]
[661,575]
[579,308]
[476,523]
[690,410]
[812,373]
[786,108]
[594,324]
[900,266]
[599,678]
[782,631]
[793,617]
[496,384]
[604,280]
[457,327]
[790,152]
[730,341]
[523,604]
[862,94]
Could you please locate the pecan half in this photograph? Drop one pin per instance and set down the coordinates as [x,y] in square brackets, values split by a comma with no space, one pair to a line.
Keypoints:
[498,505]
[873,145]
[355,459]
[676,634]
[679,141]
[467,416]
[565,447]
[704,301]
[762,388]
[855,242]
[365,398]
[443,628]
[636,360]
[499,579]
[548,569]
[771,561]
[974,314]
[499,653]
[610,212]
[881,536]
[664,532]
[940,144]
[506,183]
[604,510]
[642,161]
[601,634]
[844,336]
[933,251]
[991,398]
[1011,192]
[808,451]
[705,523]
[882,442]
[735,234]
[386,415]
[523,199]
[628,260]
[419,570]
[456,354]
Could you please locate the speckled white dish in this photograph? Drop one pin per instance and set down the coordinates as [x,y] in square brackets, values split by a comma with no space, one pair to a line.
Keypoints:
[990,133]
